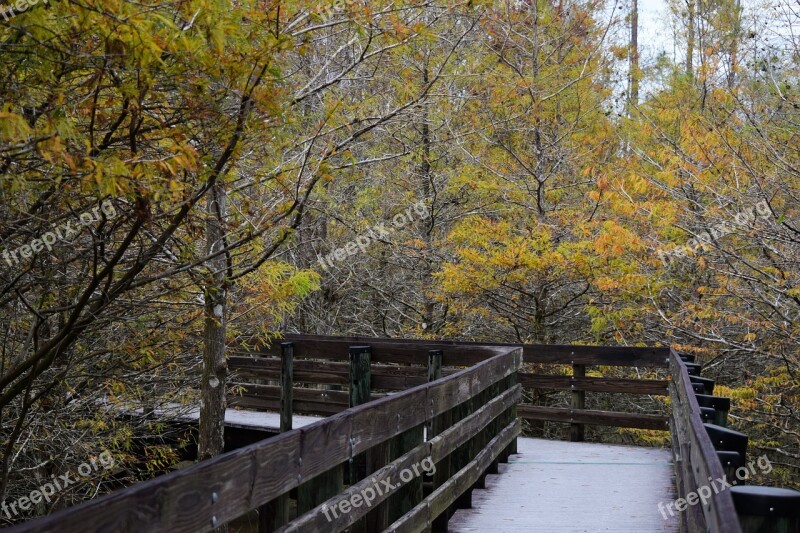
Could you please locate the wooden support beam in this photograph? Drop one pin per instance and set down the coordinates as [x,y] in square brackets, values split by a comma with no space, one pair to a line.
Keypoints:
[360,388]
[576,430]
[287,385]
[275,513]
[438,425]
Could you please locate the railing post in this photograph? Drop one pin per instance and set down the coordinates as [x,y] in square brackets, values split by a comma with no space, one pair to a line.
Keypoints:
[287,383]
[360,386]
[410,494]
[320,488]
[438,425]
[576,431]
[434,373]
[512,380]
[275,513]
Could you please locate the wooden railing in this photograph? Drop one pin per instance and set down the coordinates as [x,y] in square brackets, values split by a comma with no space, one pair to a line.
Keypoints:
[407,402]
[471,425]
[324,361]
[696,462]
[579,358]
[395,365]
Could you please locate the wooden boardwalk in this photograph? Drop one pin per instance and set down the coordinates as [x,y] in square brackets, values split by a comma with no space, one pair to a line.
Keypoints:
[556,486]
[310,478]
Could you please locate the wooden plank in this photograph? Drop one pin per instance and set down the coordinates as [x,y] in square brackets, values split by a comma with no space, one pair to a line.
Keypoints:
[377,458]
[577,402]
[469,353]
[411,493]
[513,380]
[185,500]
[439,424]
[416,520]
[305,371]
[388,417]
[434,373]
[329,372]
[275,513]
[383,350]
[325,444]
[595,384]
[593,417]
[359,393]
[300,394]
[319,489]
[307,408]
[571,487]
[596,355]
[325,485]
[287,385]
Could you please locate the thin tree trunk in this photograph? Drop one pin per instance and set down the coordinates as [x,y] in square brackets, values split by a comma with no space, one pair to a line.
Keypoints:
[734,50]
[633,73]
[690,4]
[215,367]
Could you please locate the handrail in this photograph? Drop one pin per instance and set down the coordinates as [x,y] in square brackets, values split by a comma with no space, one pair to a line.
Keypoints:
[472,411]
[400,363]
[696,462]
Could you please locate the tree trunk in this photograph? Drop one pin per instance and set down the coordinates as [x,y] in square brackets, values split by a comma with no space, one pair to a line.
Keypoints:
[690,4]
[633,72]
[215,368]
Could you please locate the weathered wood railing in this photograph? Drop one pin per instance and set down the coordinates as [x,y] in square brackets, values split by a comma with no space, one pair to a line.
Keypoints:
[697,464]
[472,424]
[324,361]
[395,365]
[579,358]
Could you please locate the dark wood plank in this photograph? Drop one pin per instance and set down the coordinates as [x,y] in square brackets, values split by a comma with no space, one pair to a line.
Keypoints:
[587,416]
[410,494]
[577,402]
[383,350]
[386,377]
[300,394]
[275,513]
[287,385]
[359,393]
[468,353]
[321,408]
[595,384]
[659,357]
[596,355]
[184,501]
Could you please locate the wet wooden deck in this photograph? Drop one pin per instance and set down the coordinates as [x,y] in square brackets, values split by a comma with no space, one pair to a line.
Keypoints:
[555,486]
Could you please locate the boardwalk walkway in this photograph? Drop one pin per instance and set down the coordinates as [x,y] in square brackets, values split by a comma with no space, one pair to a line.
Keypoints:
[554,486]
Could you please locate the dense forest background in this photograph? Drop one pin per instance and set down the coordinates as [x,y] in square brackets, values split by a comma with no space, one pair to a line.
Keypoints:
[182,178]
